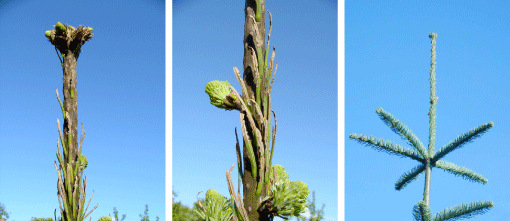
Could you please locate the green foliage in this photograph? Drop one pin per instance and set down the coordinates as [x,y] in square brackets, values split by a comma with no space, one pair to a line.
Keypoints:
[181,212]
[59,27]
[185,216]
[105,218]
[281,175]
[315,215]
[196,207]
[116,215]
[464,211]
[3,213]
[289,197]
[402,130]
[82,160]
[387,146]
[41,219]
[145,216]
[213,194]
[218,92]
[463,139]
[48,35]
[237,213]
[218,208]
[422,212]
[409,177]
[461,171]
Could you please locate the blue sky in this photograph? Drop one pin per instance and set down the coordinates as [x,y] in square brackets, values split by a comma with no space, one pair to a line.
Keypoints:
[121,88]
[387,61]
[126,168]
[207,44]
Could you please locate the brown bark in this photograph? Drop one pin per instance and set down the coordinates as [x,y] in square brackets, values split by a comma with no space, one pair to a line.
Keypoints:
[70,105]
[251,200]
[71,121]
[68,41]
[249,34]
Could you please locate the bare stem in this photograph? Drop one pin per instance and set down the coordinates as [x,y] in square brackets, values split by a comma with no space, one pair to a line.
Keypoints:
[432,121]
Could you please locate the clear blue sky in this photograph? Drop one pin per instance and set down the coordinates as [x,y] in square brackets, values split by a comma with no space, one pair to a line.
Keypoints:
[472,67]
[121,102]
[387,61]
[207,44]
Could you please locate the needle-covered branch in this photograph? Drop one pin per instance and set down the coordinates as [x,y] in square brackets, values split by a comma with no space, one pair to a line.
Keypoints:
[402,130]
[216,207]
[422,212]
[463,139]
[464,211]
[428,158]
[461,171]
[409,176]
[387,146]
[288,198]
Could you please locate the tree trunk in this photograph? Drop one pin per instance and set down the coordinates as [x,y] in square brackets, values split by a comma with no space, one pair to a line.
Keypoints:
[68,41]
[70,105]
[71,122]
[251,200]
[426,191]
